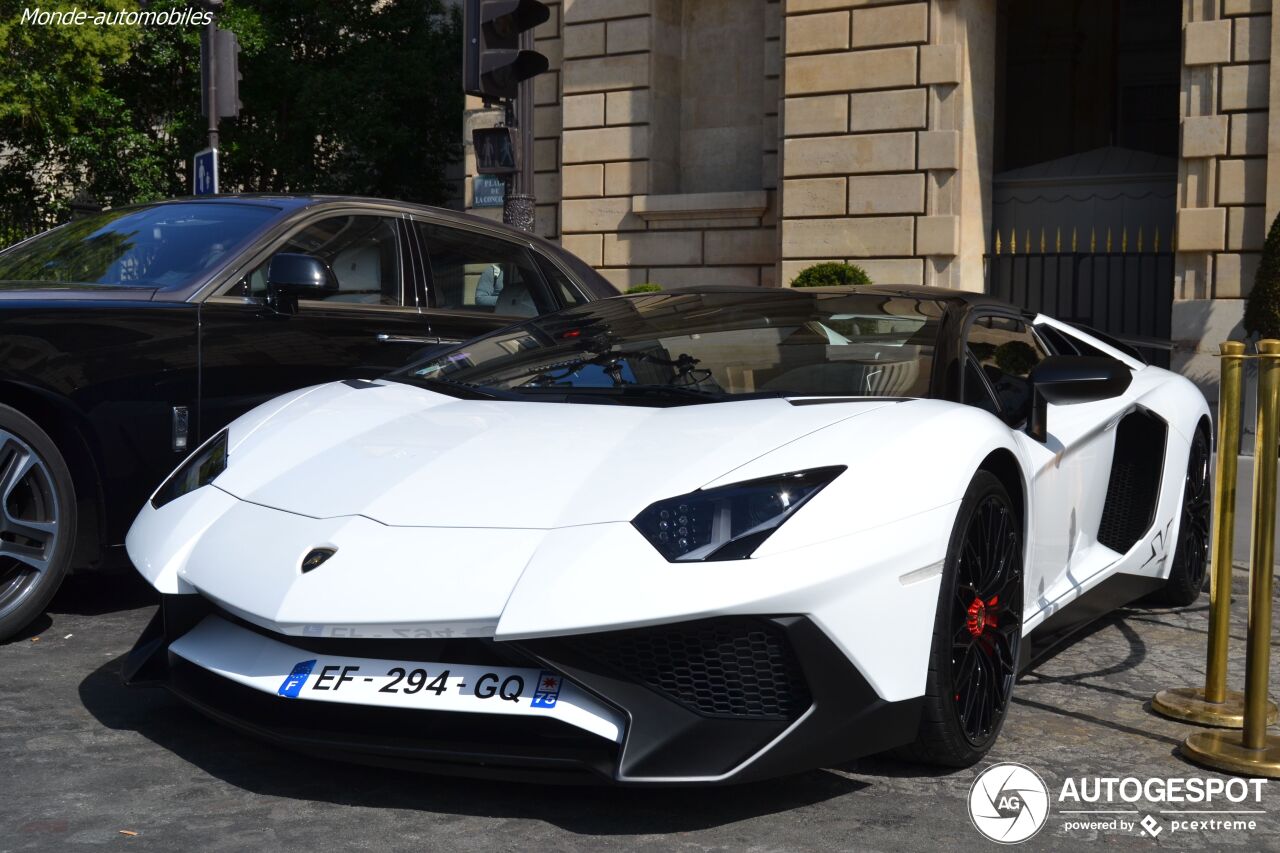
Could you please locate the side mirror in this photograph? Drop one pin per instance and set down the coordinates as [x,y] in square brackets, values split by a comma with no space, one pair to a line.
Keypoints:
[1064,379]
[293,275]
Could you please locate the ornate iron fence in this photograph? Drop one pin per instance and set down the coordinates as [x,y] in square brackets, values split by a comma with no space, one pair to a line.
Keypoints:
[1124,290]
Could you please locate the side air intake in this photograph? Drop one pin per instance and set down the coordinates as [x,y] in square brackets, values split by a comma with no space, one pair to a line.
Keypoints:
[1134,486]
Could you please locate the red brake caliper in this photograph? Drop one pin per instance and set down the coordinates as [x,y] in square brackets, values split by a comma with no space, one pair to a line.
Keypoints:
[979,617]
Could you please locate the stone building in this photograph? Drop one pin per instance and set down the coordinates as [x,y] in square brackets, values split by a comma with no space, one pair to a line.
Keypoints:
[1108,158]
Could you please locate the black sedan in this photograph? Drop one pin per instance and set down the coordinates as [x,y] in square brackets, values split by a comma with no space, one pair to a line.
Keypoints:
[128,337]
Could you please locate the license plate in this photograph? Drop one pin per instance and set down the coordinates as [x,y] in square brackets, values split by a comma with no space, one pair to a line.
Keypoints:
[274,667]
[420,684]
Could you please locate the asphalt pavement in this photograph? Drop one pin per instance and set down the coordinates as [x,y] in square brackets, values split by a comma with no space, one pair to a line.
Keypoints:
[86,763]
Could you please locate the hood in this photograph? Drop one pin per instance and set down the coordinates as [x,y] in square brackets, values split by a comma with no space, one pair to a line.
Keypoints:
[406,456]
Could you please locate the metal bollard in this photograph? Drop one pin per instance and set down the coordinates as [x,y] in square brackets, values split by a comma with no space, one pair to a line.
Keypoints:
[1214,704]
[1252,751]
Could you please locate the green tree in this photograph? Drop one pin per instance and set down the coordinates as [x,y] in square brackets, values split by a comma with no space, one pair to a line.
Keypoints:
[341,96]
[1262,307]
[49,78]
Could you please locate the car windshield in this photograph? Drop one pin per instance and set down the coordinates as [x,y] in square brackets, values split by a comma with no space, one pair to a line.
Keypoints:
[163,246]
[701,347]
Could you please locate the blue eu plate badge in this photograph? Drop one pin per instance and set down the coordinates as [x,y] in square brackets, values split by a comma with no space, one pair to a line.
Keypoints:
[548,690]
[293,684]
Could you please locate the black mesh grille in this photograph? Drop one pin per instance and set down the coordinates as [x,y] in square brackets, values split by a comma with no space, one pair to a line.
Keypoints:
[739,668]
[1134,486]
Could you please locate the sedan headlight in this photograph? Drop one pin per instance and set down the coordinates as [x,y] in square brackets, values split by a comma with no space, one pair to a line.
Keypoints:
[729,522]
[199,470]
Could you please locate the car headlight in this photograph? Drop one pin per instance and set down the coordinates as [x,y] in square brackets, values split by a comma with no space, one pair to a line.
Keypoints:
[729,522]
[199,470]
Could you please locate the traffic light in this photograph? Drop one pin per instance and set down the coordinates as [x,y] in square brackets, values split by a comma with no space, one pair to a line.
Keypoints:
[226,50]
[492,62]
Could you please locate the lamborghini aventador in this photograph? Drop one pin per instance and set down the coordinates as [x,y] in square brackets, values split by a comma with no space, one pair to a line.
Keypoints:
[687,537]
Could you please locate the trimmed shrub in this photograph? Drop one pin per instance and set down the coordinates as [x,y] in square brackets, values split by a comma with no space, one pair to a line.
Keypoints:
[831,274]
[1262,307]
[647,287]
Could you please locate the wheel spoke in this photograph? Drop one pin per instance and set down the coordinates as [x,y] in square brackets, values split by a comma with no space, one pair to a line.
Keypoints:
[28,518]
[35,558]
[986,618]
[18,464]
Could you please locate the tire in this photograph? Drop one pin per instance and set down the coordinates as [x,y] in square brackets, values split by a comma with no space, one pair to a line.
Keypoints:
[1191,556]
[973,660]
[37,520]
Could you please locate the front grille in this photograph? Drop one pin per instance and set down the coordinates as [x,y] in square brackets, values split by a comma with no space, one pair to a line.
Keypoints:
[739,668]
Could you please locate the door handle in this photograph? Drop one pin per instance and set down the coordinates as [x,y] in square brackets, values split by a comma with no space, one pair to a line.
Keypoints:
[385,338]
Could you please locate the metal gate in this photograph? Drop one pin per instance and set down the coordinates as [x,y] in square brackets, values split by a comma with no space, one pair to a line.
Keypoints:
[1128,294]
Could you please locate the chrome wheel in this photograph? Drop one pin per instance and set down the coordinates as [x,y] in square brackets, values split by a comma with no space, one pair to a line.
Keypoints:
[28,519]
[986,619]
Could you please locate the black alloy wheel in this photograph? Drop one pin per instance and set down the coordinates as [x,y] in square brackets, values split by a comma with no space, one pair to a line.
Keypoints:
[977,633]
[986,619]
[1191,556]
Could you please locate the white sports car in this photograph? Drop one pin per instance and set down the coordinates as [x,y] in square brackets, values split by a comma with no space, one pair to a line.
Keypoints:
[688,537]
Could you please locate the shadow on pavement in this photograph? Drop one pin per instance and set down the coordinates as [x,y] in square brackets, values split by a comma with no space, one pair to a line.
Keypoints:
[91,593]
[264,769]
[37,627]
[94,592]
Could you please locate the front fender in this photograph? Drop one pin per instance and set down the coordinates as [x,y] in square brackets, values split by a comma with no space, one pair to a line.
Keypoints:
[903,460]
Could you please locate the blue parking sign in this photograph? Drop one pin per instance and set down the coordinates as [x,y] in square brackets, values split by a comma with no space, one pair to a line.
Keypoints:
[204,172]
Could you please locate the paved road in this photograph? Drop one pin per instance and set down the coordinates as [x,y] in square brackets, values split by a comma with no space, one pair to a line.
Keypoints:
[82,758]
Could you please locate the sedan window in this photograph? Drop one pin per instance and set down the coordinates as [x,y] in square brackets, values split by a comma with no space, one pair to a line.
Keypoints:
[162,246]
[474,272]
[362,251]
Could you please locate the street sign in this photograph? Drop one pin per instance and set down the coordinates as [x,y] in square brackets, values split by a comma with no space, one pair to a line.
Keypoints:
[488,191]
[204,172]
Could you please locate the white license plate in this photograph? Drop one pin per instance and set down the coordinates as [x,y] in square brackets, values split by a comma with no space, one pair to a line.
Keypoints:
[425,685]
[270,666]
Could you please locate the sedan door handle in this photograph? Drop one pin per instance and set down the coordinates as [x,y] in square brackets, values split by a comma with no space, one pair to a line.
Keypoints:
[384,338]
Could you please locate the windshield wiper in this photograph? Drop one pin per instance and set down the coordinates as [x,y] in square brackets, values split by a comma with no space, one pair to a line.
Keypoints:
[684,392]
[452,387]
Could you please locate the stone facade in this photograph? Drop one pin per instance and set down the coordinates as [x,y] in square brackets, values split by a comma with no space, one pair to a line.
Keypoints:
[738,141]
[641,171]
[1227,192]
[880,122]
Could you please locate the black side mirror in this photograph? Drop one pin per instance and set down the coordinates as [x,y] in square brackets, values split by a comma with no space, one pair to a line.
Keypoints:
[1061,379]
[293,275]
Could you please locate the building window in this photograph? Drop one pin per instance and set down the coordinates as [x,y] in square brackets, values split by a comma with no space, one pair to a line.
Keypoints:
[708,111]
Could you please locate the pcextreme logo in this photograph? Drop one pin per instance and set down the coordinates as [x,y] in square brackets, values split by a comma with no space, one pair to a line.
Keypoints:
[1009,803]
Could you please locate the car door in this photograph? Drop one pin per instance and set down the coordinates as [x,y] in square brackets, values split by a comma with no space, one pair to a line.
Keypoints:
[478,282]
[370,325]
[1068,471]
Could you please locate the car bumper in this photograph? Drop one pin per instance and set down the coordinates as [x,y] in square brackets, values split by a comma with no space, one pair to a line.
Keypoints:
[715,701]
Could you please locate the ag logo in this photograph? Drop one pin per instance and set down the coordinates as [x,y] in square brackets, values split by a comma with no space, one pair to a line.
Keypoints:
[1008,803]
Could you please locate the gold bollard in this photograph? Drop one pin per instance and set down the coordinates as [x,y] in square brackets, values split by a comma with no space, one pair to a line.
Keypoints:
[1252,751]
[1214,704]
